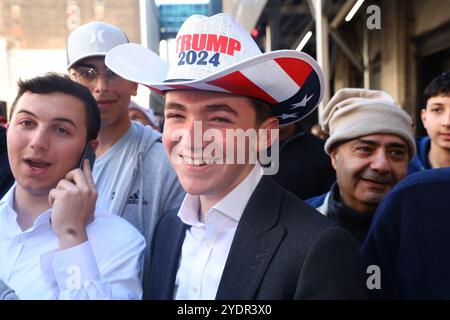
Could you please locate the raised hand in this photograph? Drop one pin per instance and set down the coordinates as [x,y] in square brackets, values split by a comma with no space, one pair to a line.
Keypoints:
[73,204]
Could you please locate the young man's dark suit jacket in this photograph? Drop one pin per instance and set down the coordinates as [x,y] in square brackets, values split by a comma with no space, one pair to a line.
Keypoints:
[6,177]
[282,249]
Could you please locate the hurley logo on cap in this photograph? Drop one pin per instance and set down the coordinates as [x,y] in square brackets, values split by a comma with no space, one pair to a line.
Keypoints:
[97,36]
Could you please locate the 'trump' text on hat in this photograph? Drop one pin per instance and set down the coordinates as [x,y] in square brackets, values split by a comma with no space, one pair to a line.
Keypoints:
[207,42]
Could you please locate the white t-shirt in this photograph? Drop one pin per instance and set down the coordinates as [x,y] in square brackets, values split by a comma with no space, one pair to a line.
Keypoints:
[135,180]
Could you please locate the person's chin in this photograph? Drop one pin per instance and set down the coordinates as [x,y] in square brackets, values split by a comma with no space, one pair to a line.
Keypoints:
[443,142]
[373,197]
[194,187]
[36,188]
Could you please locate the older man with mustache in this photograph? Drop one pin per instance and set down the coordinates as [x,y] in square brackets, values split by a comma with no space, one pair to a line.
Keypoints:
[371,142]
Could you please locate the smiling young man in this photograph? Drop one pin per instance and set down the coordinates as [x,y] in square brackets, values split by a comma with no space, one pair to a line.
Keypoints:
[52,246]
[433,151]
[133,177]
[238,235]
[370,144]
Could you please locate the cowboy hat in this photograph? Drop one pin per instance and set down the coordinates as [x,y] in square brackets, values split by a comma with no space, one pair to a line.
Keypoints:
[217,54]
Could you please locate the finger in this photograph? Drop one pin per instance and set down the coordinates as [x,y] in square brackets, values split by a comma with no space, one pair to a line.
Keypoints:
[52,197]
[66,185]
[86,165]
[87,170]
[77,177]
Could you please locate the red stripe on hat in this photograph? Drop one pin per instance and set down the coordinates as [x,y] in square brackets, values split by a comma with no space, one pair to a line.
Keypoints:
[298,70]
[180,87]
[154,89]
[237,83]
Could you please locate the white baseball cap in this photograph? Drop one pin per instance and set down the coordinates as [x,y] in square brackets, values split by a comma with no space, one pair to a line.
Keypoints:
[93,39]
[217,54]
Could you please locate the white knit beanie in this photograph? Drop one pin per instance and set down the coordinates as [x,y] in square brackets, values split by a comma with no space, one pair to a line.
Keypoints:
[353,113]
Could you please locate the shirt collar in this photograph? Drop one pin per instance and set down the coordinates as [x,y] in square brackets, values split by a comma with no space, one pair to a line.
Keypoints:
[8,198]
[188,212]
[340,210]
[232,205]
[8,201]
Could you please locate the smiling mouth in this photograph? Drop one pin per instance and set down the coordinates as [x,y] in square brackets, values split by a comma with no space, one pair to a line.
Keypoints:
[199,162]
[374,182]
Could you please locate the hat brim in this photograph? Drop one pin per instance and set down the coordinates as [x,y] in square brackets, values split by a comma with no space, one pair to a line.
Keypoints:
[289,81]
[136,63]
[85,56]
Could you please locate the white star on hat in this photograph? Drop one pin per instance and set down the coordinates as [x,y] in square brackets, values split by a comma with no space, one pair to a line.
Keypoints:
[285,116]
[303,102]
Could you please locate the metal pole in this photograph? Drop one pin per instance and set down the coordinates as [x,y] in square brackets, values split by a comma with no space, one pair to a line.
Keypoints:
[322,50]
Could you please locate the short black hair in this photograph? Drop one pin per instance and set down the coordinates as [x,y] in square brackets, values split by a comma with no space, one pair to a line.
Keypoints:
[439,86]
[263,110]
[55,83]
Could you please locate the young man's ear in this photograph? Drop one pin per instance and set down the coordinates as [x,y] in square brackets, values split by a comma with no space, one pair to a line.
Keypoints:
[134,90]
[423,117]
[70,75]
[94,144]
[271,134]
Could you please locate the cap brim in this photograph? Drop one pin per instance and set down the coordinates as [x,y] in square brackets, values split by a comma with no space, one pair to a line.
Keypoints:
[84,56]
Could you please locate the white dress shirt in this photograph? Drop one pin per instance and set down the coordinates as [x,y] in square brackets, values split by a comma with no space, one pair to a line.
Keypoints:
[107,266]
[206,245]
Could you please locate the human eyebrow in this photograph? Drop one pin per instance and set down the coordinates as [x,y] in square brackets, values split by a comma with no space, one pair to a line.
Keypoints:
[59,119]
[366,141]
[86,65]
[175,106]
[27,112]
[66,120]
[397,145]
[436,104]
[221,107]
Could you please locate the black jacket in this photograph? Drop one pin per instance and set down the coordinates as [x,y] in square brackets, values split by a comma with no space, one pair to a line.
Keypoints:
[305,169]
[6,177]
[282,249]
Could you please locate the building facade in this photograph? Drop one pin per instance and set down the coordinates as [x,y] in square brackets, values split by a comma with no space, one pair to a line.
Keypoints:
[33,33]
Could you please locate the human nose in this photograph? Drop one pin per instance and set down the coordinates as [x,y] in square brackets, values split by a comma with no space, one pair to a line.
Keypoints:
[39,140]
[193,134]
[101,84]
[380,162]
[446,119]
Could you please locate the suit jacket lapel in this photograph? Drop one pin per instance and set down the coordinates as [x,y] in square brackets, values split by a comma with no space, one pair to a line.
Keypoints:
[255,242]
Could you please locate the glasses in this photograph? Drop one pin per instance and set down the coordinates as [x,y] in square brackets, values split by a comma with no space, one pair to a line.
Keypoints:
[88,76]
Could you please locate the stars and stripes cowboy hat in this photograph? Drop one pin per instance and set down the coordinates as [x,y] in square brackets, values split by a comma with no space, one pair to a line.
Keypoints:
[217,54]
